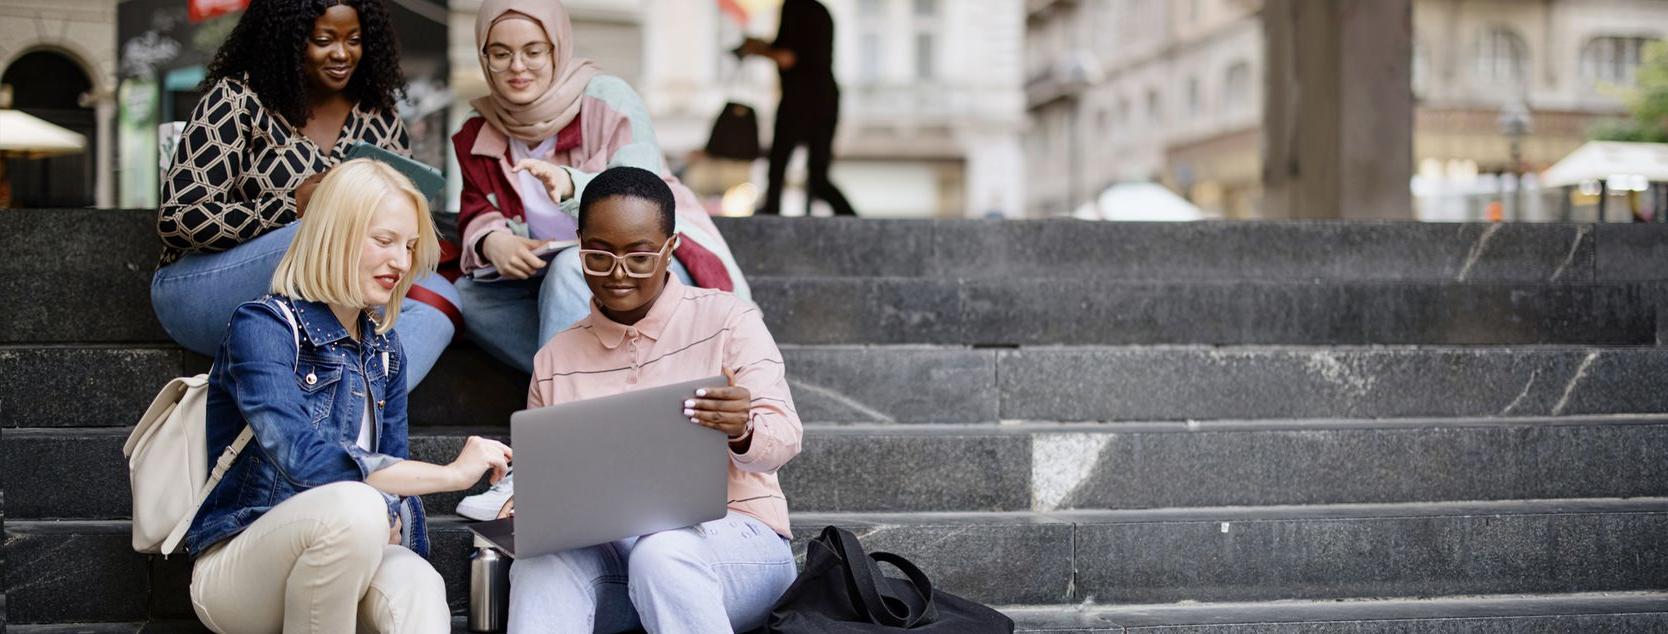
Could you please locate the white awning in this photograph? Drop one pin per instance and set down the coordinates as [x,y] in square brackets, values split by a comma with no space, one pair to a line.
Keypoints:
[27,136]
[1602,160]
[1145,202]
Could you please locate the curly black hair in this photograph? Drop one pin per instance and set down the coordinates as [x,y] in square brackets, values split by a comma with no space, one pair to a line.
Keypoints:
[274,30]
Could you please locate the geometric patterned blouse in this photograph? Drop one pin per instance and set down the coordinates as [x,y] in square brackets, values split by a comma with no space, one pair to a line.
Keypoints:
[237,165]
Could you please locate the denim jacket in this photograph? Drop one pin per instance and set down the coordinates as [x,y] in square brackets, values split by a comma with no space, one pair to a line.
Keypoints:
[306,407]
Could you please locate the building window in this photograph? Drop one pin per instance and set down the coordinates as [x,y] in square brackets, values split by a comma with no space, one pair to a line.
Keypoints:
[1193,97]
[1612,59]
[1502,57]
[926,8]
[872,9]
[1236,87]
[1155,107]
[869,57]
[924,58]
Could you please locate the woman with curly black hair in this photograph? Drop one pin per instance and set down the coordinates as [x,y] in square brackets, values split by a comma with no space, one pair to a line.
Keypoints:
[296,84]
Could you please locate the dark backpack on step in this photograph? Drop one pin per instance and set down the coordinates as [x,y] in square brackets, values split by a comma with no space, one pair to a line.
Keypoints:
[843,591]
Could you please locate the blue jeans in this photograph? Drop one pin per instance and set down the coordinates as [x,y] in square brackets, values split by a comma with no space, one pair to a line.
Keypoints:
[512,319]
[720,576]
[194,298]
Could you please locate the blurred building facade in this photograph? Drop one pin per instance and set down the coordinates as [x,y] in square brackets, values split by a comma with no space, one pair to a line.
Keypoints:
[58,62]
[1173,91]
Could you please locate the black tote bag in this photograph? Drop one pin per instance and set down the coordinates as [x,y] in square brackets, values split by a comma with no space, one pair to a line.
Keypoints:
[842,591]
[735,133]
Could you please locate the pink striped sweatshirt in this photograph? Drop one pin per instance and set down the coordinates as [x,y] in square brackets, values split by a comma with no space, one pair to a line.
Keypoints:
[690,333]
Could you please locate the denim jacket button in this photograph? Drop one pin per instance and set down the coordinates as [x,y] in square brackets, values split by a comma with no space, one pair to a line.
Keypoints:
[312,378]
[381,404]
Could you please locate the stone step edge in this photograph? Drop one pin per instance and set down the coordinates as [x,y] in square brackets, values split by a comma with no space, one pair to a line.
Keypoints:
[1368,609]
[1116,617]
[812,521]
[1201,282]
[1027,427]
[160,346]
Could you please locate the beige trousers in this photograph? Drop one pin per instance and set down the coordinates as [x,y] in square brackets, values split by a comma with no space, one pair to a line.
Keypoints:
[319,562]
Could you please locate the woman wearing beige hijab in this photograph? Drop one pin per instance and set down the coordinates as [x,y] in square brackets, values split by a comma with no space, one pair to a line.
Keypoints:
[551,122]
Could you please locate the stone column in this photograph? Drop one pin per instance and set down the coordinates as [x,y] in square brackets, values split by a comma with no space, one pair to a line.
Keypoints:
[1338,111]
[104,182]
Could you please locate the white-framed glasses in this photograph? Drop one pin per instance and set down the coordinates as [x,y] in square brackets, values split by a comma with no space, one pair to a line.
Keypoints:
[499,57]
[639,265]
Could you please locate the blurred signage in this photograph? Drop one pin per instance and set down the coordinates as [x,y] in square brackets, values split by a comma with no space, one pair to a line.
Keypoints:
[204,9]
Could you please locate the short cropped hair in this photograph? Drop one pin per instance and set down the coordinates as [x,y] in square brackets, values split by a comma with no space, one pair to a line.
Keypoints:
[633,182]
[322,264]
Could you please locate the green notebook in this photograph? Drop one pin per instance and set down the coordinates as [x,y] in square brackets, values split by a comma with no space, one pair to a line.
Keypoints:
[427,179]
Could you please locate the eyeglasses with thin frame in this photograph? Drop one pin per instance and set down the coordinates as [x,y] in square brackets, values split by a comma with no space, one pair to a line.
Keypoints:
[500,58]
[639,265]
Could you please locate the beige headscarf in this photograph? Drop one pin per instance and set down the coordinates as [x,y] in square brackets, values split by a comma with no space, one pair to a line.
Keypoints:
[545,116]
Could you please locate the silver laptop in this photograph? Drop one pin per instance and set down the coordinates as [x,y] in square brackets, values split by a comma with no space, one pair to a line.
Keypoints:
[594,471]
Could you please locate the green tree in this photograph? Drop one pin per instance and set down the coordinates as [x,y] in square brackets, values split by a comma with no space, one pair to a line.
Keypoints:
[1647,101]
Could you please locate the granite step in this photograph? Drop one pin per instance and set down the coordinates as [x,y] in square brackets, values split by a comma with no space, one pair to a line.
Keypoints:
[109,386]
[877,281]
[79,473]
[84,571]
[1262,250]
[1046,311]
[1617,613]
[1050,311]
[864,247]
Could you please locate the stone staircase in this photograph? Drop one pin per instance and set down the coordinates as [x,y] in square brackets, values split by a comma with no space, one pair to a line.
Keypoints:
[1220,427]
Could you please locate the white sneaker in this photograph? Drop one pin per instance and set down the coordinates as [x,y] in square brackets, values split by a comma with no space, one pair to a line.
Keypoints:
[484,506]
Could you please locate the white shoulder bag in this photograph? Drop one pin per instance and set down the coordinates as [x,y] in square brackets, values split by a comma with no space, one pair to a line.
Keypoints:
[167,455]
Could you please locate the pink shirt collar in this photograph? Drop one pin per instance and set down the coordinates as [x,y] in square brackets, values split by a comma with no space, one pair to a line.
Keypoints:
[611,333]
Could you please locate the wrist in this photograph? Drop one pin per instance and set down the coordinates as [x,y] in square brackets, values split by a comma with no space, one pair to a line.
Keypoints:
[481,244]
[746,434]
[457,478]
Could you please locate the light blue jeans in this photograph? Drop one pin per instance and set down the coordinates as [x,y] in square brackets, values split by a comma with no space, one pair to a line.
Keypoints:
[720,576]
[194,298]
[512,319]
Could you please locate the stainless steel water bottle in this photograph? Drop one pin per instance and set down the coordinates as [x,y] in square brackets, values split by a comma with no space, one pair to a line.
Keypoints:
[489,589]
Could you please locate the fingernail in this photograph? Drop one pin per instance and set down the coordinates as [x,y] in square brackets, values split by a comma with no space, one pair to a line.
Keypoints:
[700,392]
[691,402]
[690,413]
[693,420]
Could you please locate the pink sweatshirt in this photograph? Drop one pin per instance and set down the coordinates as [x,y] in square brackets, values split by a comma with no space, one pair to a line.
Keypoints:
[690,333]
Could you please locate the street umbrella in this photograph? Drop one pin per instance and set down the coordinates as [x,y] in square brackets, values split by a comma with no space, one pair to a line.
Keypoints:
[26,136]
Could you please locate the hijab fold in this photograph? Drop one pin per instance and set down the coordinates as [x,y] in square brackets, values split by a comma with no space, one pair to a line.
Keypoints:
[546,115]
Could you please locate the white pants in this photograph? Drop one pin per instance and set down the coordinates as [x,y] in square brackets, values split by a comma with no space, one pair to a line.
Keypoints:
[319,562]
[720,576]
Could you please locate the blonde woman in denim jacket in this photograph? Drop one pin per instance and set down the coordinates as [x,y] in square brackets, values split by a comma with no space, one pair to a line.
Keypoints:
[316,527]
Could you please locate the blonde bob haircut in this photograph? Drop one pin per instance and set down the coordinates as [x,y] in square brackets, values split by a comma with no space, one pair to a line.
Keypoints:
[322,264]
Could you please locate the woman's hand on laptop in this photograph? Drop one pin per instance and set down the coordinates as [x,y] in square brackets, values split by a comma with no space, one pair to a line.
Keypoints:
[726,409]
[508,510]
[477,457]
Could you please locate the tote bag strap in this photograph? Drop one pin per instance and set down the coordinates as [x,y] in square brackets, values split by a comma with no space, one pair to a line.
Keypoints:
[864,579]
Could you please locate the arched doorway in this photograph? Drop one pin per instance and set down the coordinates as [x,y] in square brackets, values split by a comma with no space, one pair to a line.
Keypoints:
[50,85]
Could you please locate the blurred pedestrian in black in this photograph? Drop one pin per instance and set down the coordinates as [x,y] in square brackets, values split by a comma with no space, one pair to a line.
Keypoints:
[810,106]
